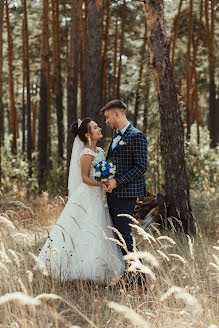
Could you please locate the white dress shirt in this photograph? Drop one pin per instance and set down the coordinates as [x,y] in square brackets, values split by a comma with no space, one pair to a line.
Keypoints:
[118,138]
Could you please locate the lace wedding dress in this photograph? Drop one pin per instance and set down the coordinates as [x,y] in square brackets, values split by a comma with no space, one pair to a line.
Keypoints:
[79,245]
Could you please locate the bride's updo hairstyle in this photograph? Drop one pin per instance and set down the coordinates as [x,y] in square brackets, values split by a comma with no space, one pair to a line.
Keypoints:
[82,130]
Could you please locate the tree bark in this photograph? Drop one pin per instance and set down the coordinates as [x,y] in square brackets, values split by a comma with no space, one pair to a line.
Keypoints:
[27,73]
[84,60]
[105,55]
[83,54]
[48,81]
[57,75]
[147,94]
[72,76]
[1,94]
[121,49]
[188,73]
[175,30]
[23,88]
[210,31]
[34,109]
[115,57]
[146,105]
[195,98]
[172,134]
[217,113]
[94,60]
[137,96]
[43,111]
[13,111]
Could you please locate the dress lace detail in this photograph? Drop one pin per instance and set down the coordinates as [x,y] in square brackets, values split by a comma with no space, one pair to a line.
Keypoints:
[79,245]
[100,156]
[88,151]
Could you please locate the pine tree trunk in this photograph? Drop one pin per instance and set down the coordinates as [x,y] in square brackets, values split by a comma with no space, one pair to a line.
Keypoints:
[115,57]
[175,30]
[81,59]
[210,31]
[43,111]
[188,74]
[217,113]
[13,111]
[1,94]
[146,106]
[105,56]
[34,109]
[137,96]
[72,76]
[94,60]
[48,78]
[27,73]
[172,134]
[195,74]
[121,49]
[84,60]
[196,105]
[147,94]
[23,89]
[57,75]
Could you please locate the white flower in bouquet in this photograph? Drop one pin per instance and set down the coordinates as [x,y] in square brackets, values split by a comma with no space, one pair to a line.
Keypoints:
[104,171]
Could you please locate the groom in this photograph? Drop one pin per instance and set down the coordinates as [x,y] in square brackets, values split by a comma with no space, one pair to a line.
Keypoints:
[128,151]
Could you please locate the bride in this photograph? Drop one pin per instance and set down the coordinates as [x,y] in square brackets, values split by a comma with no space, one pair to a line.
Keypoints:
[79,245]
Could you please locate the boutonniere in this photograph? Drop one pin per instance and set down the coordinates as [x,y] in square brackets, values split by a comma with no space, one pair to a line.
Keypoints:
[121,143]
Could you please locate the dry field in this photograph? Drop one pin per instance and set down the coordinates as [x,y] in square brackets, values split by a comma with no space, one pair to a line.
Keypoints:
[182,285]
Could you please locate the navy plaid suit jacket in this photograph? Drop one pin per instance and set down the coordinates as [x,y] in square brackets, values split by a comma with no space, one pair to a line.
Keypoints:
[131,164]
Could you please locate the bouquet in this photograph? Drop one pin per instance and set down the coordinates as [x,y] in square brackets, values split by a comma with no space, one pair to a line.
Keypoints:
[104,171]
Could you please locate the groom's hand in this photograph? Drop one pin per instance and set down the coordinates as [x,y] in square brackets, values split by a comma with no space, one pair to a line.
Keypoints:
[112,183]
[107,188]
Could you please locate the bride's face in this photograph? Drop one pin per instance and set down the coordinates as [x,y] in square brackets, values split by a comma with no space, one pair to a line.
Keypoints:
[96,133]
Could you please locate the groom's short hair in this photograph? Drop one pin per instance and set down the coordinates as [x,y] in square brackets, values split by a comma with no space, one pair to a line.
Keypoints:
[114,104]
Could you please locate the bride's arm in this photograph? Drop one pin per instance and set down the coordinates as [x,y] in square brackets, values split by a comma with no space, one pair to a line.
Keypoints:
[85,171]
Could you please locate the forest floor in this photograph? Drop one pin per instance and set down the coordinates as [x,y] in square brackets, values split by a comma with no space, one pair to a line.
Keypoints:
[182,285]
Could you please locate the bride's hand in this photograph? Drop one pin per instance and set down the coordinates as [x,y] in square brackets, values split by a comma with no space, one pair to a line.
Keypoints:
[104,186]
[107,188]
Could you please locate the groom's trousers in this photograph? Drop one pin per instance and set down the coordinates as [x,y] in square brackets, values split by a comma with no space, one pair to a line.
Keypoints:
[121,223]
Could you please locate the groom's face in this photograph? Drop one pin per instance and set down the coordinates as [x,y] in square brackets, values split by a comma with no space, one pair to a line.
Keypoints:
[111,118]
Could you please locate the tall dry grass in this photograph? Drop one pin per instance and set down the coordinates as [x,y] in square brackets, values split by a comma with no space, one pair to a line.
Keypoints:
[182,271]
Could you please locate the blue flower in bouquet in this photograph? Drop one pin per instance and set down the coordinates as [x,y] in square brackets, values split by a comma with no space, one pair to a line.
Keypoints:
[104,171]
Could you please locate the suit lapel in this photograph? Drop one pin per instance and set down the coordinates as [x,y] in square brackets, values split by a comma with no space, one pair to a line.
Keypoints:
[126,134]
[124,138]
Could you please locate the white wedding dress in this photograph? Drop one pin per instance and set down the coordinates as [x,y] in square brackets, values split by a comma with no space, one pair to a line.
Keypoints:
[78,246]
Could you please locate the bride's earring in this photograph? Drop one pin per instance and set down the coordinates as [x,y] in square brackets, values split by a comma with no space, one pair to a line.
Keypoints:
[89,141]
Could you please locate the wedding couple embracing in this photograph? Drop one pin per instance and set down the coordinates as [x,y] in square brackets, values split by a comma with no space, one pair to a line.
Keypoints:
[83,243]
